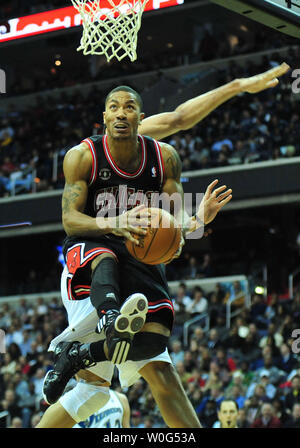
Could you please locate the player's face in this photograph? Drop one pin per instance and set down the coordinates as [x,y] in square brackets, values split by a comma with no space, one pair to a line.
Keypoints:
[122,115]
[228,414]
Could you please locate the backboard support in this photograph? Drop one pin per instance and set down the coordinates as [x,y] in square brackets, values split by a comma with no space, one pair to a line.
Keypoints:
[281,15]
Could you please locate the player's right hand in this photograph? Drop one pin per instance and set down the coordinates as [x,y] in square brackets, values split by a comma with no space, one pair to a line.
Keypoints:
[133,223]
[265,80]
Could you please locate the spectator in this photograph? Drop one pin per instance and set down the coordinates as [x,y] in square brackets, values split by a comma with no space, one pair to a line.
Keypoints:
[242,421]
[279,410]
[38,381]
[268,365]
[227,414]
[254,332]
[136,419]
[180,303]
[27,402]
[258,308]
[236,387]
[238,395]
[294,420]
[267,418]
[287,360]
[199,304]
[9,404]
[269,388]
[182,296]
[209,414]
[176,354]
[199,336]
[205,269]
[249,349]
[252,407]
[272,337]
[16,423]
[213,341]
[192,271]
[293,396]
[26,343]
[183,374]
[9,365]
[233,340]
[35,419]
[42,308]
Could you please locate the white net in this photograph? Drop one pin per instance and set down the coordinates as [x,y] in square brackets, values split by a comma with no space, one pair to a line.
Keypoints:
[110,27]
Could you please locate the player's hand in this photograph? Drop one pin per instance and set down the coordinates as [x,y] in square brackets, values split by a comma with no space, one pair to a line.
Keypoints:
[264,80]
[132,224]
[213,201]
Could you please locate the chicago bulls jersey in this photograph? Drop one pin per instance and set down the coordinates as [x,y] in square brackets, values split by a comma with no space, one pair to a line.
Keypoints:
[112,189]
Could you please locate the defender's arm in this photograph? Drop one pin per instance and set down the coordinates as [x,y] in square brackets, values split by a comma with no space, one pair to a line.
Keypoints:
[211,204]
[191,112]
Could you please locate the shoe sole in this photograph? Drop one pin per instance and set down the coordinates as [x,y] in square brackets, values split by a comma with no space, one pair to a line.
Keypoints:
[131,320]
[132,314]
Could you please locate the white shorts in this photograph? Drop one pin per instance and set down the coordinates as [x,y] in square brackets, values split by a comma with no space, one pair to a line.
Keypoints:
[83,319]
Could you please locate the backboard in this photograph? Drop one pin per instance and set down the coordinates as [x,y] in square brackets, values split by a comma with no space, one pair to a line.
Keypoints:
[282,15]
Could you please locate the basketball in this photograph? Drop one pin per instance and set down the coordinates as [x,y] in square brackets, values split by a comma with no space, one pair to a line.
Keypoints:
[161,242]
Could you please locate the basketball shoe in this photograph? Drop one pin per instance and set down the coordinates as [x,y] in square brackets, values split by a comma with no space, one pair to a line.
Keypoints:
[70,357]
[120,326]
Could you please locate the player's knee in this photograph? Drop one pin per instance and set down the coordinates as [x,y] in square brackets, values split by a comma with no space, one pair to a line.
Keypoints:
[98,260]
[84,400]
[147,345]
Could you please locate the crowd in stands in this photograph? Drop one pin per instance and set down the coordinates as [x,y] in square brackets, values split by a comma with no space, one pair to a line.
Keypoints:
[210,47]
[255,361]
[18,8]
[248,128]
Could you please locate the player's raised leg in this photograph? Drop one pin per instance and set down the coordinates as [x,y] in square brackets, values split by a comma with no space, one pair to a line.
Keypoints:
[87,397]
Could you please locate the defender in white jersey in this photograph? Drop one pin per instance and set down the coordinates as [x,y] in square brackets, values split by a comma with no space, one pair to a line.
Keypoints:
[115,414]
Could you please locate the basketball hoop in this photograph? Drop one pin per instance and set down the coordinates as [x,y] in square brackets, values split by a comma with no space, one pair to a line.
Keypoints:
[110,27]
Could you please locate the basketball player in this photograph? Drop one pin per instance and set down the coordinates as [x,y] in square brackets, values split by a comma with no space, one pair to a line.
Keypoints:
[115,414]
[117,156]
[227,414]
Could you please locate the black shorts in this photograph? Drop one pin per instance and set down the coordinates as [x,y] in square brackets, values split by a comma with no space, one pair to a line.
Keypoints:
[134,275]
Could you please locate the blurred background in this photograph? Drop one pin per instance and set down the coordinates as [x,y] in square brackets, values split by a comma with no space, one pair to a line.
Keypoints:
[236,291]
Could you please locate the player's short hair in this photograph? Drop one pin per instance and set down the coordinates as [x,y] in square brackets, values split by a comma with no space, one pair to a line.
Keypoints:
[226,401]
[126,89]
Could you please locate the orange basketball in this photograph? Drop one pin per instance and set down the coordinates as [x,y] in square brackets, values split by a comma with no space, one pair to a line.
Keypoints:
[161,241]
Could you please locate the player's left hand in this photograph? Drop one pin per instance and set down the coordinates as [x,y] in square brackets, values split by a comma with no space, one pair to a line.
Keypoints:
[265,80]
[213,201]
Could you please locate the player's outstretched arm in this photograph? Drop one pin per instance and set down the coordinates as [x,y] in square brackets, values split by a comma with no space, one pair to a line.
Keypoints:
[191,112]
[77,168]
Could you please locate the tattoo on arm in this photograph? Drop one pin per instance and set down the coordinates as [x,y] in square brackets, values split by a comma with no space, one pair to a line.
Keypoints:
[173,164]
[70,196]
